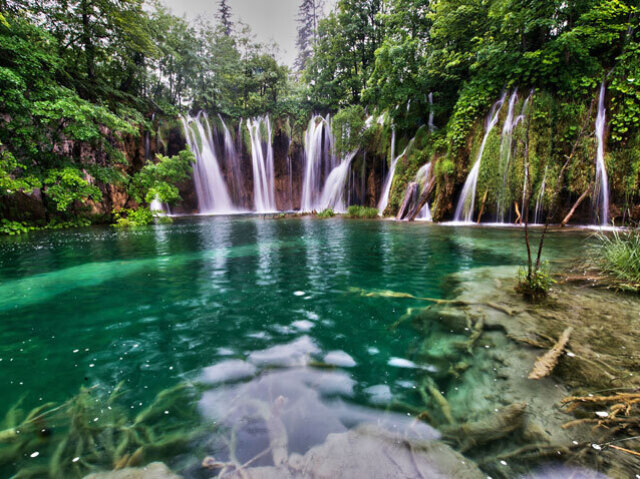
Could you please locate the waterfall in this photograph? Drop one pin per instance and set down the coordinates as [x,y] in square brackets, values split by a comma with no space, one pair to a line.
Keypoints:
[318,149]
[432,127]
[211,190]
[290,170]
[506,146]
[602,183]
[263,175]
[386,189]
[537,215]
[334,188]
[422,177]
[159,207]
[464,209]
[393,142]
[232,160]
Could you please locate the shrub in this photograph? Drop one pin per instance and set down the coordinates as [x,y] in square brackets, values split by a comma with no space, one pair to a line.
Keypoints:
[128,218]
[356,211]
[535,285]
[328,213]
[618,255]
[12,228]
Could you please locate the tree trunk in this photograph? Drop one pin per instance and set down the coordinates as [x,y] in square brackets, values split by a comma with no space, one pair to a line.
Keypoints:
[575,206]
[410,198]
[424,197]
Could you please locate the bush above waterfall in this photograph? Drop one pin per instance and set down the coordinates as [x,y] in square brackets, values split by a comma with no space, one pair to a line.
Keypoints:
[348,127]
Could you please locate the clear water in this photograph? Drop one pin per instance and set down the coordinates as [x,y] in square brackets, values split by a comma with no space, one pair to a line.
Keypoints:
[154,307]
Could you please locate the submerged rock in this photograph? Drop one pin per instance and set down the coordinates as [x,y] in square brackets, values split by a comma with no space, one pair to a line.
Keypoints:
[155,470]
[371,452]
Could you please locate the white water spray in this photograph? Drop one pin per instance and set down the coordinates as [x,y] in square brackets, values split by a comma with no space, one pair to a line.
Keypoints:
[318,148]
[232,160]
[334,188]
[537,215]
[464,209]
[432,127]
[262,165]
[602,182]
[211,189]
[386,189]
[506,146]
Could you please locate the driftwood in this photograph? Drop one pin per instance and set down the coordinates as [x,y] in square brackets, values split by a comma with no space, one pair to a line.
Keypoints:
[452,302]
[497,426]
[410,197]
[575,206]
[430,386]
[422,200]
[547,362]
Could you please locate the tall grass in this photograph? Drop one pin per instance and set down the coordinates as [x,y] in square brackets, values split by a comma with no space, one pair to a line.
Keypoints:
[619,256]
[356,211]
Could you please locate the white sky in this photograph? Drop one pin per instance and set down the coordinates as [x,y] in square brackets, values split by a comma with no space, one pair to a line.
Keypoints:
[270,20]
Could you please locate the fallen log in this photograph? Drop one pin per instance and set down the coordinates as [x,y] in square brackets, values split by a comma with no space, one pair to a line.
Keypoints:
[484,200]
[410,197]
[492,428]
[575,206]
[422,200]
[547,362]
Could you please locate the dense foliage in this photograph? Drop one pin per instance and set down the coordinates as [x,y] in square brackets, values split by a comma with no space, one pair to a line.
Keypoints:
[82,80]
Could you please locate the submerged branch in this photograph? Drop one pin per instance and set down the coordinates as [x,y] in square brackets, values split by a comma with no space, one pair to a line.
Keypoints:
[452,302]
[547,362]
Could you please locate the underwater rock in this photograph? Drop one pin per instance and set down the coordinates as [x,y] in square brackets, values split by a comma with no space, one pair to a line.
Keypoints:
[371,452]
[295,353]
[340,359]
[155,470]
[231,370]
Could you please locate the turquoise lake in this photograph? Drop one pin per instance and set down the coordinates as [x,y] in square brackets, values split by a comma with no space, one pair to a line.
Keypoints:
[162,305]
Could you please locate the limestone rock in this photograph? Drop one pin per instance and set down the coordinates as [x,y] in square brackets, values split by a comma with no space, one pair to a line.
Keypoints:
[155,470]
[375,453]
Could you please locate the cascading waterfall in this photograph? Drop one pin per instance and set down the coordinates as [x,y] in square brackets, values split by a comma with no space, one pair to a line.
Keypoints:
[422,177]
[290,170]
[506,147]
[319,158]
[393,142]
[334,188]
[386,189]
[211,190]
[262,164]
[464,209]
[537,215]
[602,182]
[432,127]
[232,160]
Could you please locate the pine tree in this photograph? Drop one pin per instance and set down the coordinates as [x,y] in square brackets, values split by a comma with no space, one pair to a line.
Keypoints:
[224,17]
[308,16]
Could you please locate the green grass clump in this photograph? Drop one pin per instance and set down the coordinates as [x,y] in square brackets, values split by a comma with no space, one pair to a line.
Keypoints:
[618,255]
[356,211]
[328,213]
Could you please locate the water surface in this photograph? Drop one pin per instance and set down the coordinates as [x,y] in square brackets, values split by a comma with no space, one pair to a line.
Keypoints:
[223,300]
